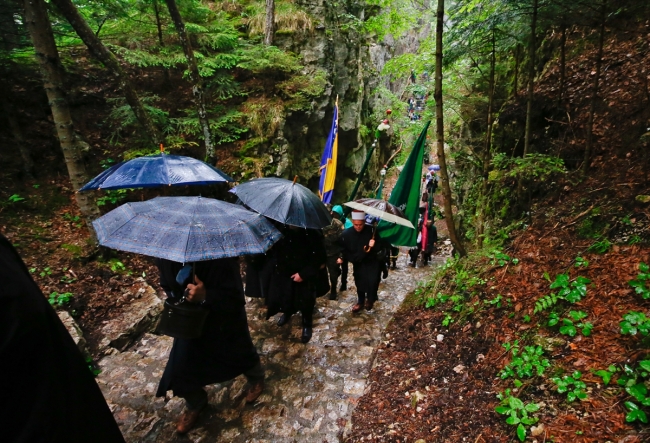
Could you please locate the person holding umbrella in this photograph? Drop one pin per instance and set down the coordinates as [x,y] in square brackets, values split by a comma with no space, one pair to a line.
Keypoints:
[224,350]
[209,235]
[361,248]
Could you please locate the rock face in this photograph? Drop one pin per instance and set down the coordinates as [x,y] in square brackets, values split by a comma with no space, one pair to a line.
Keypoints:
[353,63]
[141,317]
[74,330]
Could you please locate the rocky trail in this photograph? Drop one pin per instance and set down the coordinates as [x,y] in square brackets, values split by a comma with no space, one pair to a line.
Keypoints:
[311,390]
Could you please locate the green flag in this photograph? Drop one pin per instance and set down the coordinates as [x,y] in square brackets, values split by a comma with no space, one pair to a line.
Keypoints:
[406,196]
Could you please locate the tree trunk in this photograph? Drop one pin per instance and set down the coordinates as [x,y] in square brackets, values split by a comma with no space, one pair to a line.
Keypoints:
[195,79]
[487,146]
[440,134]
[40,30]
[101,52]
[531,78]
[562,60]
[158,24]
[595,90]
[16,131]
[269,22]
[515,81]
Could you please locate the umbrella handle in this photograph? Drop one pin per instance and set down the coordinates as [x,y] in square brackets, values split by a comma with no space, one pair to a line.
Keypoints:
[367,248]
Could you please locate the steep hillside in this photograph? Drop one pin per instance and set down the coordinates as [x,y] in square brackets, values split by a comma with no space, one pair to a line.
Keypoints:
[501,331]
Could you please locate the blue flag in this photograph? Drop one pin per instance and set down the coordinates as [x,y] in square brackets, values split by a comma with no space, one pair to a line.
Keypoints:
[328,161]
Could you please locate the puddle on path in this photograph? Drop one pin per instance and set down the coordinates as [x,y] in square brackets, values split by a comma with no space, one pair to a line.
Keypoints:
[310,391]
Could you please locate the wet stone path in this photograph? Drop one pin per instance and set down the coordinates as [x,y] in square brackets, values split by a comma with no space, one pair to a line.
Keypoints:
[310,391]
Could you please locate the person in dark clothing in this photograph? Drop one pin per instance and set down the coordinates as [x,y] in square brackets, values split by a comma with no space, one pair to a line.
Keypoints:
[224,350]
[332,242]
[48,392]
[338,210]
[299,260]
[361,248]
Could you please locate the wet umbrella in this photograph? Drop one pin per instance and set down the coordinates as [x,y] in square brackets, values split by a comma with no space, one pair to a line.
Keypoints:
[284,201]
[185,229]
[434,168]
[157,170]
[380,209]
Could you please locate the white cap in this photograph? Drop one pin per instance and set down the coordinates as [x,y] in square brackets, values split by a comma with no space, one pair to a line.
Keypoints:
[358,215]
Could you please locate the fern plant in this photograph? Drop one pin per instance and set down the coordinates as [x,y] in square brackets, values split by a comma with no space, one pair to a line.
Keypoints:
[571,291]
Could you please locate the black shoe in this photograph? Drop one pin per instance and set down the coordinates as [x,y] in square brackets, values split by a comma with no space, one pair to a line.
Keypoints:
[306,334]
[384,274]
[284,319]
[343,287]
[333,295]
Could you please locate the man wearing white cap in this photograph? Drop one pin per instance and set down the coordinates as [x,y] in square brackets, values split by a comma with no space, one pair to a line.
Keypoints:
[360,247]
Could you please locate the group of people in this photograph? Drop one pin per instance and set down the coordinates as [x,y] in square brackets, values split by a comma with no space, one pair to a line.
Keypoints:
[303,265]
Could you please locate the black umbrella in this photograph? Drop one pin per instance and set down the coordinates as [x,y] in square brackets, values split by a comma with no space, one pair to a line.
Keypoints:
[284,201]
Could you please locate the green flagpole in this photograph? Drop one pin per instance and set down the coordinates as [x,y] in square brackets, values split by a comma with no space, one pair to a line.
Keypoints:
[363,171]
[406,196]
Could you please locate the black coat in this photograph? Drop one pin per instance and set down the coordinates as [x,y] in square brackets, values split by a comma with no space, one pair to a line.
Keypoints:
[48,393]
[225,349]
[367,266]
[298,251]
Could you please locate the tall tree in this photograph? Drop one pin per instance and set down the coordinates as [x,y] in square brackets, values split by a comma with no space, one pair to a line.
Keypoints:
[195,78]
[602,13]
[440,134]
[40,30]
[532,49]
[269,22]
[101,52]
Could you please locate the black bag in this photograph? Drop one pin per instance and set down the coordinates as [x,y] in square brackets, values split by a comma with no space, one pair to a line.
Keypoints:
[182,319]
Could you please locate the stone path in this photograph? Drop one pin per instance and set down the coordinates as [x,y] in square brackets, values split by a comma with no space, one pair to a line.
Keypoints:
[311,389]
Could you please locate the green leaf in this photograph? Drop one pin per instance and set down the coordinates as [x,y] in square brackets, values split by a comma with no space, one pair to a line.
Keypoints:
[515,403]
[561,281]
[637,391]
[521,432]
[532,407]
[512,420]
[502,409]
[645,365]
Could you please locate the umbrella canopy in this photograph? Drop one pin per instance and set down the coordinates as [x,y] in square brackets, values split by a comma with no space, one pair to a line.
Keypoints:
[434,168]
[157,170]
[185,229]
[284,201]
[380,209]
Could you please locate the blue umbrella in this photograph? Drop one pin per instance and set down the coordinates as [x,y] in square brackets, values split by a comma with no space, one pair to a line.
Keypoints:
[157,170]
[185,229]
[434,168]
[284,201]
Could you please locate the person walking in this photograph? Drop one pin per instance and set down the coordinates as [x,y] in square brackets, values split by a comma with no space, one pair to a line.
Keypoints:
[337,211]
[332,242]
[224,350]
[299,258]
[361,247]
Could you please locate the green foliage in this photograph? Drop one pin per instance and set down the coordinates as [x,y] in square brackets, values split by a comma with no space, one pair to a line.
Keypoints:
[581,262]
[302,89]
[634,322]
[501,259]
[639,283]
[268,59]
[633,381]
[571,291]
[15,198]
[528,363]
[447,320]
[537,167]
[567,324]
[517,412]
[606,374]
[435,300]
[58,300]
[571,385]
[601,246]
[113,196]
